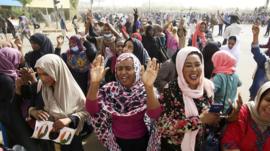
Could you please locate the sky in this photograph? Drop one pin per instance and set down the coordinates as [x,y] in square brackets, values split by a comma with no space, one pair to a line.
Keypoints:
[216,4]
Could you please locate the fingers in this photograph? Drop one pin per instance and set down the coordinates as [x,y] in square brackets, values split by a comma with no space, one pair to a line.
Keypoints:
[42,115]
[105,71]
[142,71]
[152,64]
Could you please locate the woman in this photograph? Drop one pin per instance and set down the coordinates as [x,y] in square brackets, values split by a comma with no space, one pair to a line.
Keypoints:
[225,79]
[233,47]
[184,101]
[110,74]
[77,60]
[10,116]
[63,99]
[152,45]
[182,33]
[262,73]
[208,52]
[118,108]
[41,45]
[172,41]
[251,130]
[134,46]
[198,38]
[24,27]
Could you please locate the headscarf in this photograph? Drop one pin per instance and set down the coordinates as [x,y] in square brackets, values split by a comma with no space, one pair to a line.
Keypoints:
[208,52]
[188,143]
[224,62]
[136,35]
[9,61]
[115,99]
[44,42]
[65,98]
[253,107]
[77,40]
[138,49]
[235,51]
[199,34]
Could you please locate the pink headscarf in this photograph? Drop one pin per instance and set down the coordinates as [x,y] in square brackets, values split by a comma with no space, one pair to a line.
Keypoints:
[197,34]
[9,61]
[224,62]
[188,143]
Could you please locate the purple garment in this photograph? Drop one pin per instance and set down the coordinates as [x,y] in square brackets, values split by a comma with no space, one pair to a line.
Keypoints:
[9,61]
[78,42]
[172,43]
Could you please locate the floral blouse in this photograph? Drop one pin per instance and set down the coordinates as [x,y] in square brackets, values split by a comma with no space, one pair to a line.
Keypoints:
[173,123]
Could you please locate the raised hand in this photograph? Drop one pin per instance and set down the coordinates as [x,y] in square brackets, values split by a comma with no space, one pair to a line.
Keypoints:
[98,70]
[236,108]
[18,43]
[255,30]
[150,74]
[60,41]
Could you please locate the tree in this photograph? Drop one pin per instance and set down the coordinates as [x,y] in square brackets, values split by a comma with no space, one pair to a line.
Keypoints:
[24,3]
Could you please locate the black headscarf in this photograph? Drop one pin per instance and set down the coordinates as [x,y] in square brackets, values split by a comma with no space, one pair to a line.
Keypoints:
[208,52]
[46,47]
[44,42]
[151,44]
[138,50]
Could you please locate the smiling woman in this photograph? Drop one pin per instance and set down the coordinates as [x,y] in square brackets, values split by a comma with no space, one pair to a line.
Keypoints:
[251,130]
[181,125]
[118,108]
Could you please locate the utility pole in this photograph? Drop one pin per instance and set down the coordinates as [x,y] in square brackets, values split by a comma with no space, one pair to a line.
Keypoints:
[55,2]
[266,4]
[149,7]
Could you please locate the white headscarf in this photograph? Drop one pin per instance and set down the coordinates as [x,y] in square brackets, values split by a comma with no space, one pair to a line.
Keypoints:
[188,142]
[65,98]
[254,105]
[235,51]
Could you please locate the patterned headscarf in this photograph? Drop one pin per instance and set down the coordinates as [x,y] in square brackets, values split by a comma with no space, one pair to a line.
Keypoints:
[115,99]
[77,40]
[9,61]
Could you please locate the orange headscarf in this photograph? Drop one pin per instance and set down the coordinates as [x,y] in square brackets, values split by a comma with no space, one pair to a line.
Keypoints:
[199,34]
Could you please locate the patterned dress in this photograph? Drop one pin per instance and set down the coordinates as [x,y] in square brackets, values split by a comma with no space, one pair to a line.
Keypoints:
[173,123]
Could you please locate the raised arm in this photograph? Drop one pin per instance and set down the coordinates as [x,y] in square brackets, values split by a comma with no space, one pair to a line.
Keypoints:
[97,72]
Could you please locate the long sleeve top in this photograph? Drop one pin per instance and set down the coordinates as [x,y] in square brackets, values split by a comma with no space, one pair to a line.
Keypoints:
[260,74]
[130,127]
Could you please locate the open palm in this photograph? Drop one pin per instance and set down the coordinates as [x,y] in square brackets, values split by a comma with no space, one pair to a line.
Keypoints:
[150,74]
[98,70]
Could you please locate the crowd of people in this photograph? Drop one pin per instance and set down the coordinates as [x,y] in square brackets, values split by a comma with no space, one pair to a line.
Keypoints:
[137,85]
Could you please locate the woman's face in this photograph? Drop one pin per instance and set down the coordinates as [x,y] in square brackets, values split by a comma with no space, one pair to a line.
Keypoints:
[72,44]
[192,70]
[264,108]
[231,43]
[35,46]
[128,47]
[119,47]
[125,72]
[202,27]
[45,78]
